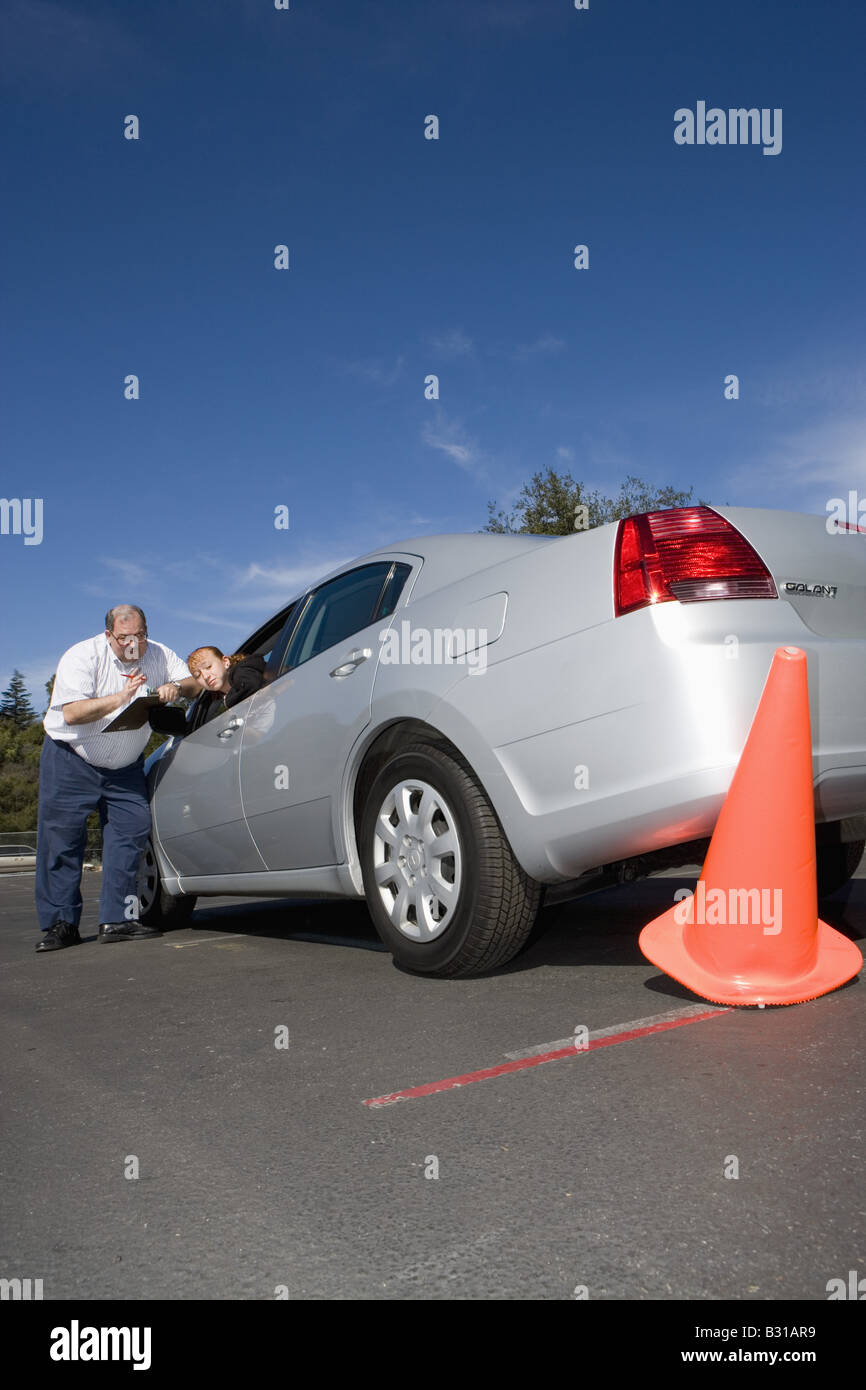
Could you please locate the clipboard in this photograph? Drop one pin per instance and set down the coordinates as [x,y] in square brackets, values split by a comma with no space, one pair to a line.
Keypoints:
[134,715]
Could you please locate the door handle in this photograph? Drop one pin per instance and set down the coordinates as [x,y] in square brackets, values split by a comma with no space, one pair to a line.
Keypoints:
[352,662]
[230,728]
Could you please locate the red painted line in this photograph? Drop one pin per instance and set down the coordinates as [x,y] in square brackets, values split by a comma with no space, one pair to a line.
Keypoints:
[488,1073]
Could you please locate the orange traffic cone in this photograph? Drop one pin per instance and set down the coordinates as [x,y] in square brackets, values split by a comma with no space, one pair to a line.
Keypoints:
[751,933]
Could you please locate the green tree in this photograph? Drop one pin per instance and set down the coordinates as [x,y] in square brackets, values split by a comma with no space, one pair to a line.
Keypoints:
[15,702]
[20,749]
[49,686]
[553,504]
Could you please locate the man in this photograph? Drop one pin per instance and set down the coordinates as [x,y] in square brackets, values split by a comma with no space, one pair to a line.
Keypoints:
[87,767]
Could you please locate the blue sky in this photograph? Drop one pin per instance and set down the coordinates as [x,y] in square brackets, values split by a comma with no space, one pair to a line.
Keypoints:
[305,387]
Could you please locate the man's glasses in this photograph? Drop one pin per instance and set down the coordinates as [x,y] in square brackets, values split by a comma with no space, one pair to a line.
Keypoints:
[131,643]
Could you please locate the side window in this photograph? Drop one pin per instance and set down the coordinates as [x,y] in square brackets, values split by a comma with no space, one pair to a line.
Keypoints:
[270,642]
[343,606]
[392,591]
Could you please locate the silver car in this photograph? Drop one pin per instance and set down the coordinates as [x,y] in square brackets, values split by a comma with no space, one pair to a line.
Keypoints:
[15,859]
[459,726]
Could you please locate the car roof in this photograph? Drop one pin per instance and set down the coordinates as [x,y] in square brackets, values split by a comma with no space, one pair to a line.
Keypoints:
[449,557]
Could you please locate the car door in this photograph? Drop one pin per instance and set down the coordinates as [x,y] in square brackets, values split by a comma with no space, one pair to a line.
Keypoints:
[197,811]
[301,728]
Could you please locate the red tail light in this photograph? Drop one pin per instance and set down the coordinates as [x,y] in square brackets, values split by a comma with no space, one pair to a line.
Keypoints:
[687,553]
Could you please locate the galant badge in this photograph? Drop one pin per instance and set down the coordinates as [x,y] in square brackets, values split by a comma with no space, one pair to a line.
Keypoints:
[798,586]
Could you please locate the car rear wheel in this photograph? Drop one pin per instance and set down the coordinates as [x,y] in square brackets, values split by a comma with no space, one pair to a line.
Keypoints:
[444,890]
[155,907]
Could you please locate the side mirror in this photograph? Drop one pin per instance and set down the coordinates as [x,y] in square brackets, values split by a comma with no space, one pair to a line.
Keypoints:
[167,719]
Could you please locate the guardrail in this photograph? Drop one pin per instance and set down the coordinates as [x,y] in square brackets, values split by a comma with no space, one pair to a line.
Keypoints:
[18,849]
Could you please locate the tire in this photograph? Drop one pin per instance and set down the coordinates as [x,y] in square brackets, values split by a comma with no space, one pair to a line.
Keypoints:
[155,907]
[837,859]
[458,912]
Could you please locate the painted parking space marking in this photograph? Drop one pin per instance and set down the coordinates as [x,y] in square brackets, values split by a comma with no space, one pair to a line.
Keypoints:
[534,1057]
[205,941]
[687,1012]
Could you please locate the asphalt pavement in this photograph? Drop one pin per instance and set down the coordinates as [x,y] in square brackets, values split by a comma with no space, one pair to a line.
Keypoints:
[191,1117]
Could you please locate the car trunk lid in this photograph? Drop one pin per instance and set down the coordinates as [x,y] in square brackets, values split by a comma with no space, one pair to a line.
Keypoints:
[821,573]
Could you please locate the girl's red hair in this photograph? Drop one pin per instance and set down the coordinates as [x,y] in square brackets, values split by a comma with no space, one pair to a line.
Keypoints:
[220,656]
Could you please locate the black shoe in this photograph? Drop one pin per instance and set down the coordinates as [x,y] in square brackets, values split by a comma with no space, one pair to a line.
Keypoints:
[126,931]
[60,935]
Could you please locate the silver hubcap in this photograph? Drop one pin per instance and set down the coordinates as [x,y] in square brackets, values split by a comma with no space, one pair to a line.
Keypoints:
[147,883]
[416,858]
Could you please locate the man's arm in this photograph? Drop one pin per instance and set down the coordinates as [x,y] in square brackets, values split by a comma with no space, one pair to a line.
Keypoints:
[173,690]
[88,711]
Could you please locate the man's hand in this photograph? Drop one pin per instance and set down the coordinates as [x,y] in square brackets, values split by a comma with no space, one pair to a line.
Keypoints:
[170,692]
[132,684]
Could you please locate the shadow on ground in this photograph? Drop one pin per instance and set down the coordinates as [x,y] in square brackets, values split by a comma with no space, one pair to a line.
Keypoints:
[601,928]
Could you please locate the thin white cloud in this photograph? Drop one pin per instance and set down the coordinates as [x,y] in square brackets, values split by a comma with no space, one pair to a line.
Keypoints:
[605,462]
[377,372]
[289,577]
[192,566]
[451,439]
[130,572]
[454,343]
[808,466]
[546,346]
[212,620]
[266,588]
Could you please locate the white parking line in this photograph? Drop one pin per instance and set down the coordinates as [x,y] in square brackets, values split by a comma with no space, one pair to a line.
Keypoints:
[570,1048]
[616,1028]
[182,945]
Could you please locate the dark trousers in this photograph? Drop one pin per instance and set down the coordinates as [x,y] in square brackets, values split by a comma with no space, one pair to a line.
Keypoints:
[69,789]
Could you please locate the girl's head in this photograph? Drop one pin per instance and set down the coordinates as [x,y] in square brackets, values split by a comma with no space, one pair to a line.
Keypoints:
[210,668]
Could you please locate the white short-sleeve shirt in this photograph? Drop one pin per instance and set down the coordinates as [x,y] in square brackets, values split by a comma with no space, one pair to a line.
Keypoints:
[90,669]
